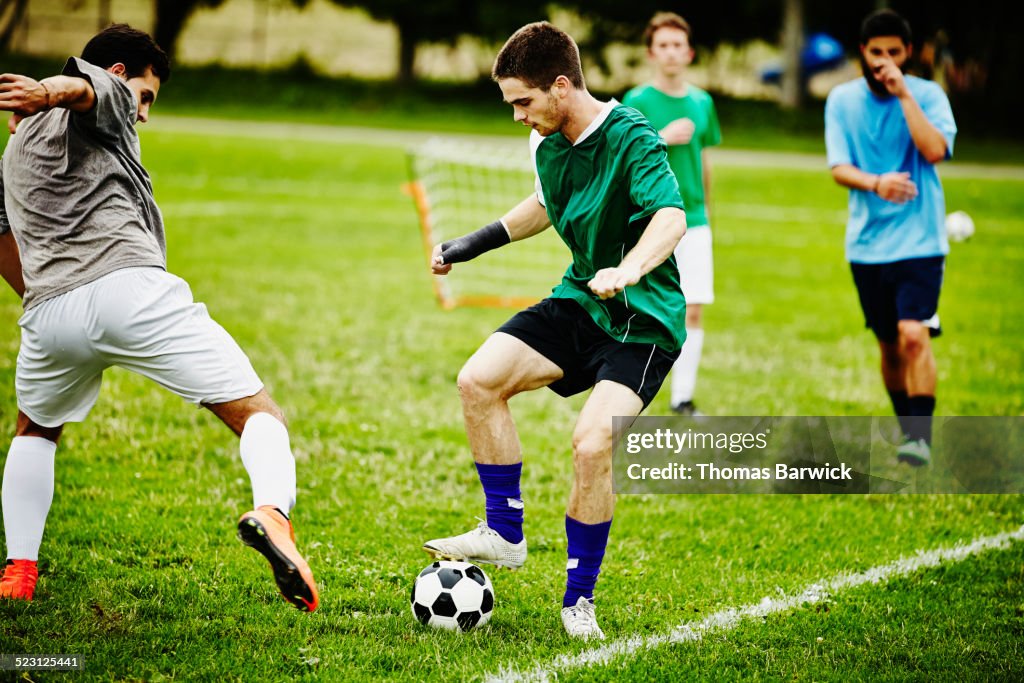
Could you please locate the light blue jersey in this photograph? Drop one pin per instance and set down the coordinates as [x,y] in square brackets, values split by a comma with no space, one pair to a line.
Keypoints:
[871,133]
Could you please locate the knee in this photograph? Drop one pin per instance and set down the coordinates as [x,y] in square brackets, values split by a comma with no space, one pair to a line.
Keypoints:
[235,414]
[476,387]
[913,338]
[592,452]
[693,316]
[26,427]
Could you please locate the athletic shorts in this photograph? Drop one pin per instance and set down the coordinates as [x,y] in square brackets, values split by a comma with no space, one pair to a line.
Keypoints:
[141,319]
[564,333]
[901,290]
[696,267]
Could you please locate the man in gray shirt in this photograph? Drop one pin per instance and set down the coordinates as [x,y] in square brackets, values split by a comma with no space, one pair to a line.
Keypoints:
[89,258]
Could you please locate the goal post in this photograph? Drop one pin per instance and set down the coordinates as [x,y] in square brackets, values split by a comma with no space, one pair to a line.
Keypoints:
[459,185]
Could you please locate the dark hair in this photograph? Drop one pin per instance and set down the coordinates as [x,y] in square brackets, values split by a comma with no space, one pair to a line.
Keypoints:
[661,20]
[133,48]
[537,54]
[884,22]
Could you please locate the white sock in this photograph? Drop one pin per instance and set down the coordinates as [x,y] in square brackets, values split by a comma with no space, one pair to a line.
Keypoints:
[267,456]
[27,494]
[684,372]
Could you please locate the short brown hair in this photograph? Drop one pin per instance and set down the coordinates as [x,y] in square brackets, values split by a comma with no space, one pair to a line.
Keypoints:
[661,20]
[135,49]
[537,54]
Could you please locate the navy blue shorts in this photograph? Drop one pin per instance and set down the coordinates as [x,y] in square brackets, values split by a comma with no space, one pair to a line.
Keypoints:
[564,333]
[901,290]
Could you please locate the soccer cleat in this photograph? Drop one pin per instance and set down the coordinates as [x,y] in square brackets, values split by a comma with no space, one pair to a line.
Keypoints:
[19,580]
[580,620]
[271,533]
[915,452]
[482,545]
[687,409]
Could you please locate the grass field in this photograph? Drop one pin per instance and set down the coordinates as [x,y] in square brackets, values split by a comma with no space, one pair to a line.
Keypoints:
[309,255]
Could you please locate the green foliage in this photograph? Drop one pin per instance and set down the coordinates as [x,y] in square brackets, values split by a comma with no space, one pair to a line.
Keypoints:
[446,20]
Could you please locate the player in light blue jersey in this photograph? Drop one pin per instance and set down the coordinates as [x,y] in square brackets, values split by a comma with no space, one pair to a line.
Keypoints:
[884,134]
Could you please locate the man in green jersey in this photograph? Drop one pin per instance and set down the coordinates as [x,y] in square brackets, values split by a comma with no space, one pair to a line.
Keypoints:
[685,116]
[614,323]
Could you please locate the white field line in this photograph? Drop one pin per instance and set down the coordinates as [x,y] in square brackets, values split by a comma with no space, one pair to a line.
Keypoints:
[728,619]
[346,135]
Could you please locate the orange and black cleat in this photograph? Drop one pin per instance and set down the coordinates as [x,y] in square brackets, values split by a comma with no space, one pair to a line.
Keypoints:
[271,533]
[19,580]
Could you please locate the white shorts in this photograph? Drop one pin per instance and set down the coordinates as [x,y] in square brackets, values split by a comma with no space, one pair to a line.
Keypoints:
[696,269]
[141,319]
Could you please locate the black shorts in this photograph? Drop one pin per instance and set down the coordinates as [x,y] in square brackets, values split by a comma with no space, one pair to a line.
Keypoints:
[564,333]
[901,290]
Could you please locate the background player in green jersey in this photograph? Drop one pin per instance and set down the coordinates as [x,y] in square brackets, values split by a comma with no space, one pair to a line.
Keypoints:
[685,116]
[614,323]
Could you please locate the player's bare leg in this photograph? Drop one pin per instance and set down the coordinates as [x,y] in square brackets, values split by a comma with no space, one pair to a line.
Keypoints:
[501,368]
[27,496]
[266,454]
[916,369]
[917,357]
[591,503]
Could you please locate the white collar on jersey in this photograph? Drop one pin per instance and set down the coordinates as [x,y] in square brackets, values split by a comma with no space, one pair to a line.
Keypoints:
[596,123]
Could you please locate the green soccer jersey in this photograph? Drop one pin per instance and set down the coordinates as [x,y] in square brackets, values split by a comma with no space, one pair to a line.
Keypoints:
[685,160]
[600,194]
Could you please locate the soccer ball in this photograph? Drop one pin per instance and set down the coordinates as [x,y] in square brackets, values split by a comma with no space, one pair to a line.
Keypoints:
[959,226]
[453,596]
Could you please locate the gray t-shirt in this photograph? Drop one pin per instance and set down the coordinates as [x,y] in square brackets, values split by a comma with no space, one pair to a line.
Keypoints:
[76,195]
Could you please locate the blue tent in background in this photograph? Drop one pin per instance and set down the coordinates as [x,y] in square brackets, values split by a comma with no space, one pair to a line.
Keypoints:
[821,53]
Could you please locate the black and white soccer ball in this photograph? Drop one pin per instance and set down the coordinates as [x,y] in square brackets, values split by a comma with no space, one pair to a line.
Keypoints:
[453,596]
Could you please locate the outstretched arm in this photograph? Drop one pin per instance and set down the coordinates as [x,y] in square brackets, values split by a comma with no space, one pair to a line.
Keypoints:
[663,233]
[525,220]
[26,96]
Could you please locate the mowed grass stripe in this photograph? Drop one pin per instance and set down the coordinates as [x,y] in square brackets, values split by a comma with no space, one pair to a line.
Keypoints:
[731,618]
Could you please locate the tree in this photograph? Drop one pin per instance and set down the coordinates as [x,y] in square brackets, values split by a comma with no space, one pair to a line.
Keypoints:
[11,13]
[616,21]
[171,16]
[445,21]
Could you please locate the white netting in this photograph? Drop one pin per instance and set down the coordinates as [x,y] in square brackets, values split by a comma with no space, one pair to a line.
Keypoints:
[467,184]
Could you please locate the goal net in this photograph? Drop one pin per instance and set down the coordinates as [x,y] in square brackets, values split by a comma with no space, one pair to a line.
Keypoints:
[459,186]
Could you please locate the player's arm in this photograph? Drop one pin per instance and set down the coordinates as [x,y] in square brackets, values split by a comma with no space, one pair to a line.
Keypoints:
[927,138]
[679,132]
[10,263]
[26,96]
[526,219]
[10,259]
[892,187]
[667,227]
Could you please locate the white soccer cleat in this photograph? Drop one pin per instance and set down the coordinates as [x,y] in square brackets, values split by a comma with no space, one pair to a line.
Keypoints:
[580,620]
[482,545]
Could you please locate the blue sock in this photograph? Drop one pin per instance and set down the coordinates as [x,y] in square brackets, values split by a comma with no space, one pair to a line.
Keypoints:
[586,550]
[504,505]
